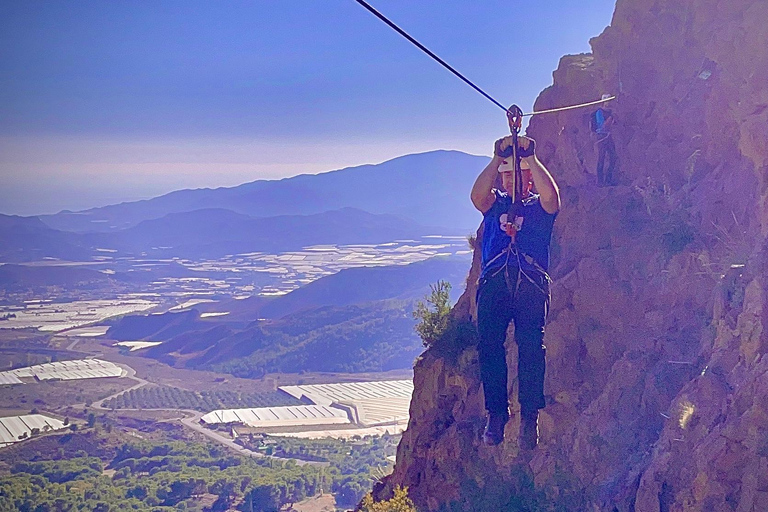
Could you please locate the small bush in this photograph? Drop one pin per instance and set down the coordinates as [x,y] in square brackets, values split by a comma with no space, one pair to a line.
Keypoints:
[433,313]
[400,502]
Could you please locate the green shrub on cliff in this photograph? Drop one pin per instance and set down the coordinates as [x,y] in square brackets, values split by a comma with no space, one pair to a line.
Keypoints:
[432,313]
[400,502]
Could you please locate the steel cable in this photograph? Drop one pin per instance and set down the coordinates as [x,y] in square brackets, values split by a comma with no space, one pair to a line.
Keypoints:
[462,77]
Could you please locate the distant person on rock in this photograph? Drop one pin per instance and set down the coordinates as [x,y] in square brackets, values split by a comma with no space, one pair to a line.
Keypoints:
[601,123]
[514,284]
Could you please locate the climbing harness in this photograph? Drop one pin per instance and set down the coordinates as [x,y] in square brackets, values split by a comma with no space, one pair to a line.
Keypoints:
[450,68]
[513,255]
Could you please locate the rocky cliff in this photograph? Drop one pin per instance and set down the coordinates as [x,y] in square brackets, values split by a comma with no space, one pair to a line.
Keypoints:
[656,376]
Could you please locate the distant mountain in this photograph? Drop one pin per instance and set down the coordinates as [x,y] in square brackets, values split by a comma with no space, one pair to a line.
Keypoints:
[216,232]
[28,238]
[350,286]
[357,285]
[429,188]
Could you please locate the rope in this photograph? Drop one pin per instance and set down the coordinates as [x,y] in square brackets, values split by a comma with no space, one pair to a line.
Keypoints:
[462,77]
[570,107]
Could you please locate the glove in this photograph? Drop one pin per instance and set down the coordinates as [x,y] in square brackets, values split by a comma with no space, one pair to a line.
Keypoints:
[527,152]
[522,153]
[502,153]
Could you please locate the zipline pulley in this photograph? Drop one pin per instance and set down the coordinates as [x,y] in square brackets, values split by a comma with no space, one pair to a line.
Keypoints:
[515,119]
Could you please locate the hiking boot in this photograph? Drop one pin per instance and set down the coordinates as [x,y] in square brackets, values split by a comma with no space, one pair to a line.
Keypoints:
[494,428]
[529,430]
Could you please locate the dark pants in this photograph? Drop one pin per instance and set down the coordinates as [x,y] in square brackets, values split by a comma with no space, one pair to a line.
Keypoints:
[497,305]
[606,151]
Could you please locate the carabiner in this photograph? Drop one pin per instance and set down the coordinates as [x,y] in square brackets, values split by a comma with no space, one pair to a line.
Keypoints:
[515,119]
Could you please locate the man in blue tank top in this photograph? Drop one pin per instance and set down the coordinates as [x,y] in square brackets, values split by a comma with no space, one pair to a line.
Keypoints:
[514,284]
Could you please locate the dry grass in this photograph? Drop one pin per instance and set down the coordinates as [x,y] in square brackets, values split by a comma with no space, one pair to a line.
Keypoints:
[49,395]
[322,503]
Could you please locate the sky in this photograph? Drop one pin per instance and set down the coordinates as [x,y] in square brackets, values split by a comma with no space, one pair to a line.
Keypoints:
[110,101]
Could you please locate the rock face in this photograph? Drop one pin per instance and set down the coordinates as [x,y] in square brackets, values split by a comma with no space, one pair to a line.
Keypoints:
[656,342]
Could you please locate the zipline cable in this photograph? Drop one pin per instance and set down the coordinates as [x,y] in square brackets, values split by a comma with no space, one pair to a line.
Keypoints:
[462,77]
[429,52]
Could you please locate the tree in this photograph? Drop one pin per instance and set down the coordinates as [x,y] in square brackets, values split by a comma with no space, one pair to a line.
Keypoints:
[400,502]
[432,313]
[350,491]
[264,498]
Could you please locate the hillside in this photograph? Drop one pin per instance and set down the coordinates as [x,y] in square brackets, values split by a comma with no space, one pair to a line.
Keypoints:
[656,342]
[353,321]
[429,189]
[372,336]
[27,238]
[356,285]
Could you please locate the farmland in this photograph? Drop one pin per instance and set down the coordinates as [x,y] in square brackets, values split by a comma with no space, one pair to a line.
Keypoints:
[166,397]
[146,406]
[141,285]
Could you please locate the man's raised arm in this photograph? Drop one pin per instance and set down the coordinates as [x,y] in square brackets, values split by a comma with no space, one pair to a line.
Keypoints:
[549,193]
[482,197]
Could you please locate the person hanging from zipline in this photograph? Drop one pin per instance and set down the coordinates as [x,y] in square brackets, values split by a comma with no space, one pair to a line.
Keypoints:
[514,284]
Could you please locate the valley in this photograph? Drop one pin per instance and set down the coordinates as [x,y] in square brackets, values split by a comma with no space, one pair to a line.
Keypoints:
[191,338]
[223,349]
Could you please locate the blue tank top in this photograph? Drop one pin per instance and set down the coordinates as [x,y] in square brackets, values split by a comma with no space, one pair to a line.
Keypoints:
[533,238]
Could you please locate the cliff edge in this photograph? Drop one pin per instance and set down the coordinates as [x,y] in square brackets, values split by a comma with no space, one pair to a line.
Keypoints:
[656,374]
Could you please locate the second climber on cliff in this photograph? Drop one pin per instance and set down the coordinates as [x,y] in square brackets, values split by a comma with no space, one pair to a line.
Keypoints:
[514,284]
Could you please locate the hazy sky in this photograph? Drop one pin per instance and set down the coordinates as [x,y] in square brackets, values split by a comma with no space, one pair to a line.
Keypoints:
[110,101]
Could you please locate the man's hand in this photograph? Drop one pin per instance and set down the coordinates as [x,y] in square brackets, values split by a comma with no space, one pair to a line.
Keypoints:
[526,146]
[501,145]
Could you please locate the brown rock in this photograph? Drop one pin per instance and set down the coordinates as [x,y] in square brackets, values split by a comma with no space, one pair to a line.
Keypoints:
[657,370]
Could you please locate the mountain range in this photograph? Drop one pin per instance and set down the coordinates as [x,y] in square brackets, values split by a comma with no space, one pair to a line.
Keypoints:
[430,189]
[405,198]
